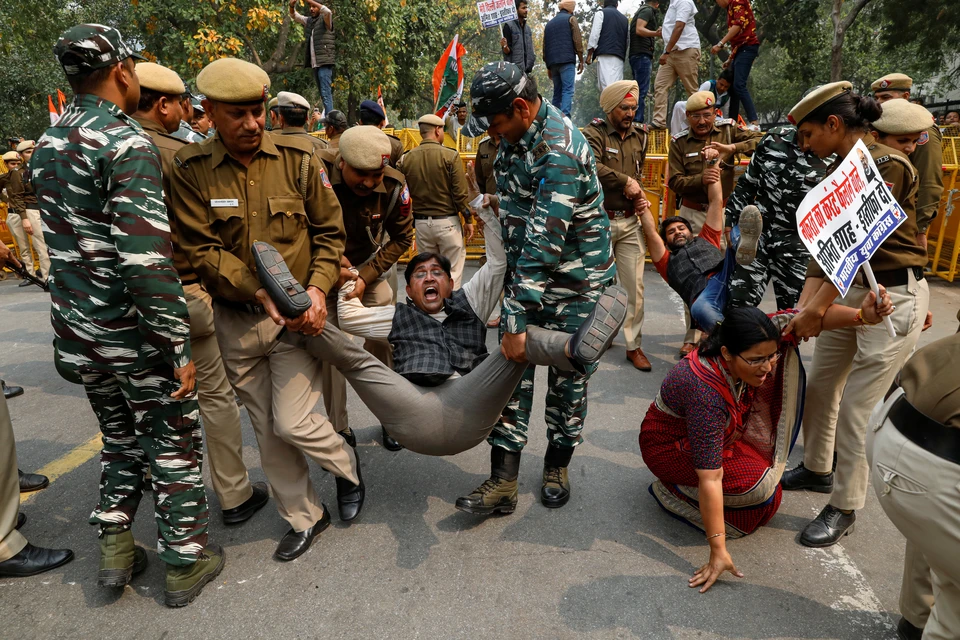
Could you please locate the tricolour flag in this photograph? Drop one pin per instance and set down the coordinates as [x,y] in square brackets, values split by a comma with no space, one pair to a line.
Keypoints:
[61,101]
[54,114]
[386,120]
[448,77]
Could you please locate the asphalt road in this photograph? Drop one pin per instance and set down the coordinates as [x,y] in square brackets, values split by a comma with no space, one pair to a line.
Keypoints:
[610,564]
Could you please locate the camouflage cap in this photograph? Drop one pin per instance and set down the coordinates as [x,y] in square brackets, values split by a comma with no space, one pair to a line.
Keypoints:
[88,47]
[494,88]
[197,103]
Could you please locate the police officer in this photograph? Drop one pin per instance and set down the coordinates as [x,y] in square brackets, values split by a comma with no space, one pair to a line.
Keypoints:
[14,222]
[438,185]
[372,114]
[559,259]
[201,122]
[240,187]
[334,124]
[292,110]
[159,113]
[274,110]
[24,202]
[376,216]
[927,158]
[915,467]
[778,177]
[620,149]
[689,175]
[483,165]
[120,316]
[185,129]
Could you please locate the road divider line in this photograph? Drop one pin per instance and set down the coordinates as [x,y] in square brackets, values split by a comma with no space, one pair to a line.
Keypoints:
[66,463]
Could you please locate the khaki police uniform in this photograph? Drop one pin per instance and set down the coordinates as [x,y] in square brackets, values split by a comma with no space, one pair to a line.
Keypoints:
[15,224]
[11,541]
[927,158]
[218,408]
[379,230]
[617,160]
[222,207]
[483,166]
[915,465]
[853,367]
[24,200]
[438,186]
[396,150]
[319,143]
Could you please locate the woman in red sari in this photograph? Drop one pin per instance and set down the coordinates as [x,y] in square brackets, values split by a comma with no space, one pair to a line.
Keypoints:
[718,434]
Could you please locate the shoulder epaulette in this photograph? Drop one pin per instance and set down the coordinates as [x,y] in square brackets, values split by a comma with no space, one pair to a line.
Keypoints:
[642,126]
[190,151]
[677,136]
[723,121]
[390,172]
[911,171]
[301,143]
[598,122]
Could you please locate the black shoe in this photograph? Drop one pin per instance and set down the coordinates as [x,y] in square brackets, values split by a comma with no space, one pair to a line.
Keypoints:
[350,437]
[33,560]
[295,543]
[597,332]
[246,510]
[389,443]
[350,496]
[906,631]
[802,478]
[21,519]
[289,295]
[25,283]
[32,481]
[11,392]
[827,528]
[555,491]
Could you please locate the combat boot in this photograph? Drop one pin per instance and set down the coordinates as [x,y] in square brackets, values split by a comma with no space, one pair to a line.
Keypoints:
[556,484]
[120,557]
[498,493]
[185,583]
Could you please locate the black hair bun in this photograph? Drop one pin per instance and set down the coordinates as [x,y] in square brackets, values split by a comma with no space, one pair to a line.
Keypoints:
[868,109]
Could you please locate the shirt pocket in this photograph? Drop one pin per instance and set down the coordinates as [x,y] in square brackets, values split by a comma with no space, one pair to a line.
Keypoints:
[227,220]
[288,218]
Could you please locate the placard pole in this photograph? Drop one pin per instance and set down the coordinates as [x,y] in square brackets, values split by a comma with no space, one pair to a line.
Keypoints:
[887,322]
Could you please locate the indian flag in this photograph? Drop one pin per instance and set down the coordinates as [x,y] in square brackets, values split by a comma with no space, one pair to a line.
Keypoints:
[448,77]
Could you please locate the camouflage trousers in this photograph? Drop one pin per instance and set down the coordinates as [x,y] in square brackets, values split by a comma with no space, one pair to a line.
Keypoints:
[566,398]
[783,259]
[143,427]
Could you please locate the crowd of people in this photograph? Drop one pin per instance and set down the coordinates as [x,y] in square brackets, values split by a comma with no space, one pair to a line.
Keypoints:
[183,271]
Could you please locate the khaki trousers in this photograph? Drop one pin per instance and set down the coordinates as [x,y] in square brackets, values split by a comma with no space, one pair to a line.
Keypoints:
[11,542]
[629,252]
[15,223]
[852,370]
[444,236]
[377,294]
[920,493]
[280,385]
[39,244]
[221,416]
[680,64]
[697,218]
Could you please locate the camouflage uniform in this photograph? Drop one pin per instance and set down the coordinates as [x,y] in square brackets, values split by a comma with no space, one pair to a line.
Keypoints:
[119,314]
[779,175]
[559,259]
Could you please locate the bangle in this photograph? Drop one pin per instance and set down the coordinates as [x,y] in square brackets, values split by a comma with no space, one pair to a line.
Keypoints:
[715,535]
[859,318]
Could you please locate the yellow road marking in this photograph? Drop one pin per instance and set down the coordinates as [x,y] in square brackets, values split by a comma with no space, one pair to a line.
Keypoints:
[66,463]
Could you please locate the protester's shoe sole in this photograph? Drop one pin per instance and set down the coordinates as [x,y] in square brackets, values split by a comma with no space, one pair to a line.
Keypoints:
[603,324]
[121,577]
[751,226]
[288,294]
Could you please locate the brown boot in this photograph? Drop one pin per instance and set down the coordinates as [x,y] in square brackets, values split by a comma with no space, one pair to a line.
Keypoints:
[639,360]
[498,493]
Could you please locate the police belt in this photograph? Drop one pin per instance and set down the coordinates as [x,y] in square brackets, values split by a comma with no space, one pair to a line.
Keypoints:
[423,217]
[619,215]
[940,440]
[893,277]
[693,204]
[241,306]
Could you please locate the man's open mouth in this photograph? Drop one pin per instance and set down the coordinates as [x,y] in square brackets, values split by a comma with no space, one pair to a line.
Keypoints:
[431,293]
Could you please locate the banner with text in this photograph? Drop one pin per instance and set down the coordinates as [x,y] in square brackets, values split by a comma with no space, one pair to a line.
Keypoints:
[494,12]
[845,218]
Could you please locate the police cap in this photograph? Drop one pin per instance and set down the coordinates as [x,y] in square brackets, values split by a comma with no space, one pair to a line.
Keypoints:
[901,117]
[160,79]
[233,80]
[816,99]
[892,82]
[366,148]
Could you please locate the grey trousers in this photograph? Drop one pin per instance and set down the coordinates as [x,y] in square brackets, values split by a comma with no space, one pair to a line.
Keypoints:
[435,421]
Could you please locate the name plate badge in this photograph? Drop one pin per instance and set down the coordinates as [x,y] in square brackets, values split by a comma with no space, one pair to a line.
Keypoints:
[224,202]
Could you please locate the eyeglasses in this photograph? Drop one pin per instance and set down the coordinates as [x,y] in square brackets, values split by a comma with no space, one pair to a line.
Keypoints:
[757,362]
[624,107]
[700,116]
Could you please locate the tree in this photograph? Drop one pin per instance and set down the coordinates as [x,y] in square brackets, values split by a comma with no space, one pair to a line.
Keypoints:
[841,22]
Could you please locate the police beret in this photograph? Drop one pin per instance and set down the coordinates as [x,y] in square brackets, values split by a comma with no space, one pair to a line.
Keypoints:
[10,155]
[372,107]
[816,99]
[26,145]
[160,79]
[901,117]
[273,103]
[700,100]
[366,148]
[290,99]
[233,80]
[431,119]
[894,81]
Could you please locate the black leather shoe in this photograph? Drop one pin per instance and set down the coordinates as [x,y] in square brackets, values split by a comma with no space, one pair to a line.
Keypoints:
[350,496]
[246,510]
[906,631]
[32,481]
[33,560]
[9,391]
[802,478]
[349,436]
[25,283]
[389,443]
[289,295]
[21,519]
[827,528]
[295,543]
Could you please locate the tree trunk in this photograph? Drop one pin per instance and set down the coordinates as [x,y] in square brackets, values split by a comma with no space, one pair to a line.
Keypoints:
[840,25]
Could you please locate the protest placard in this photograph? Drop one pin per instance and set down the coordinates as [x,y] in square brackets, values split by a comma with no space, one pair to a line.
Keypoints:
[494,12]
[845,218]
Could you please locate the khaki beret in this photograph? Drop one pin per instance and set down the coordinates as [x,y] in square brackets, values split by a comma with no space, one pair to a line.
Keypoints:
[233,80]
[273,104]
[431,119]
[817,98]
[290,99]
[366,148]
[894,81]
[26,145]
[700,100]
[10,155]
[160,79]
[617,92]
[901,117]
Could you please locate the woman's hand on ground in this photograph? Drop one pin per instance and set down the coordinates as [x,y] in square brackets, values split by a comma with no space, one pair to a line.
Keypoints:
[720,561]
